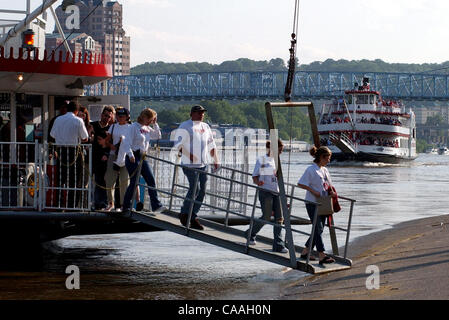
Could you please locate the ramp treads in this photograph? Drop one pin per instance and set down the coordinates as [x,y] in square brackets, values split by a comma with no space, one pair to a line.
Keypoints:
[343,146]
[234,239]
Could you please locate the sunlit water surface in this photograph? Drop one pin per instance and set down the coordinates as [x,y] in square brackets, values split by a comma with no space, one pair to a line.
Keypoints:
[163,265]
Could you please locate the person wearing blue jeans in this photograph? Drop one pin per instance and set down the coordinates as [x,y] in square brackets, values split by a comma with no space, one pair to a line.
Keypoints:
[270,203]
[200,191]
[196,143]
[147,174]
[320,223]
[134,145]
[316,180]
[265,176]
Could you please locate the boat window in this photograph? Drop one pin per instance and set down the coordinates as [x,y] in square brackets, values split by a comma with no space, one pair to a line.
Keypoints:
[5,113]
[362,99]
[371,99]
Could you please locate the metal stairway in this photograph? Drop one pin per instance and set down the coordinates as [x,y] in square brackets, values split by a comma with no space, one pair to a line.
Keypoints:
[342,142]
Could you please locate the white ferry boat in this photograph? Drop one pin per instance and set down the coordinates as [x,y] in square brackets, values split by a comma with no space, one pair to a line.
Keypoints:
[364,127]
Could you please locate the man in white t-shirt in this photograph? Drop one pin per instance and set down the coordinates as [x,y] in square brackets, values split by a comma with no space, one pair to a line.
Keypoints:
[265,176]
[70,130]
[196,143]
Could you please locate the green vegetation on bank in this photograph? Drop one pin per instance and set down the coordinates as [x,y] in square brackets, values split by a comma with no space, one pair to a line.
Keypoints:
[279,64]
[247,114]
[422,145]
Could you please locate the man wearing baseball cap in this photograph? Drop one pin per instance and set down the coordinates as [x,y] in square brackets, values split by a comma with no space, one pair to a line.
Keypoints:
[196,142]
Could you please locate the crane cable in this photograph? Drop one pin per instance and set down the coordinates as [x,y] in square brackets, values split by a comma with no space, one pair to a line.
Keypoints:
[291,76]
[292,50]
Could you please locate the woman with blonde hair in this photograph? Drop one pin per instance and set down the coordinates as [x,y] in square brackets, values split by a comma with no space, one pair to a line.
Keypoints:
[316,180]
[135,143]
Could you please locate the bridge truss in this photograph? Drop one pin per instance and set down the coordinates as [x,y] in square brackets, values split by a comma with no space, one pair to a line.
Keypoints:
[270,85]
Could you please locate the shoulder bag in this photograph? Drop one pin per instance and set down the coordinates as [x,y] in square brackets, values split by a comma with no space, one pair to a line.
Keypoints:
[326,207]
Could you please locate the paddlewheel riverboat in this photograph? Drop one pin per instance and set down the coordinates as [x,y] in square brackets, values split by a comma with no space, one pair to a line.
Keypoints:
[365,127]
[35,195]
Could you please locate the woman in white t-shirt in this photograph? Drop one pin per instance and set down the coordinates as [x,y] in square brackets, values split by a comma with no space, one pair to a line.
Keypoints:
[116,132]
[316,180]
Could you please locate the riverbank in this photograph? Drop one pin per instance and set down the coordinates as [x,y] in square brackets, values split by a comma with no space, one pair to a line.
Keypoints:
[412,257]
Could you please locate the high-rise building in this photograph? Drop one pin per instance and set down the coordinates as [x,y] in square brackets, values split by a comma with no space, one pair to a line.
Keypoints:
[103,20]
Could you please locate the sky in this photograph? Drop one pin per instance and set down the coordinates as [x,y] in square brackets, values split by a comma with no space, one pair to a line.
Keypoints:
[399,31]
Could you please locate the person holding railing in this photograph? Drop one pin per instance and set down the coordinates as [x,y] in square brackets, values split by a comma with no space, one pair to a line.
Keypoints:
[135,144]
[195,141]
[70,130]
[316,180]
[264,175]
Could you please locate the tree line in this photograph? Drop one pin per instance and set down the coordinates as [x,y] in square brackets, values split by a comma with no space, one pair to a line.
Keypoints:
[291,123]
[278,64]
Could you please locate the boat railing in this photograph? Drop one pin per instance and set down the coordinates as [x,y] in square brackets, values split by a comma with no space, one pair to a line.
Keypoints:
[45,176]
[227,176]
[18,169]
[165,177]
[69,177]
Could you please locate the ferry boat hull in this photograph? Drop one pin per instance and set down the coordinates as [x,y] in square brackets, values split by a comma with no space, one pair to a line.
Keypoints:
[370,157]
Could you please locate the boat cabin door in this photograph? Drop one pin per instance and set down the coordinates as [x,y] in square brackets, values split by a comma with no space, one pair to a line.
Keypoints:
[21,121]
[95,104]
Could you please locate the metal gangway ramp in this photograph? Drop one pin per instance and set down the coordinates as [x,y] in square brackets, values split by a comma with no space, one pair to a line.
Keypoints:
[219,231]
[342,142]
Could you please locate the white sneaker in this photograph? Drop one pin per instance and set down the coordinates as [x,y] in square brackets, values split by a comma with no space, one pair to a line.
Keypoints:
[252,242]
[160,209]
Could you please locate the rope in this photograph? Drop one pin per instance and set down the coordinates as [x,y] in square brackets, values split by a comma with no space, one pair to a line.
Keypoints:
[86,168]
[91,176]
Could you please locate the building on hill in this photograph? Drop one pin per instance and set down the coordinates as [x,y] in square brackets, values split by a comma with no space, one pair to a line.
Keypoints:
[436,130]
[424,112]
[105,25]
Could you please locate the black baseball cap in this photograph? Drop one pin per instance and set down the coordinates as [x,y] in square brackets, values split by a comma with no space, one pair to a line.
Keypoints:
[122,112]
[197,108]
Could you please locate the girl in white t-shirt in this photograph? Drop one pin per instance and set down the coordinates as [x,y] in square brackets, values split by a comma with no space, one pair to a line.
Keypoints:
[316,180]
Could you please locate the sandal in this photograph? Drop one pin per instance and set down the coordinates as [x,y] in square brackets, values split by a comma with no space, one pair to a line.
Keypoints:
[327,259]
[109,208]
[304,256]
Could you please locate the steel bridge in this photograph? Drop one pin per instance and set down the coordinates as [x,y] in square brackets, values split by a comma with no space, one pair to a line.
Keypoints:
[270,85]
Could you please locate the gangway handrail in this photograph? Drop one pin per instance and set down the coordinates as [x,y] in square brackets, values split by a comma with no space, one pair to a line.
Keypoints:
[192,201]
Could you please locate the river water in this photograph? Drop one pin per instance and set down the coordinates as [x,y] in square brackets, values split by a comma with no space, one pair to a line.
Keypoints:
[163,265]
